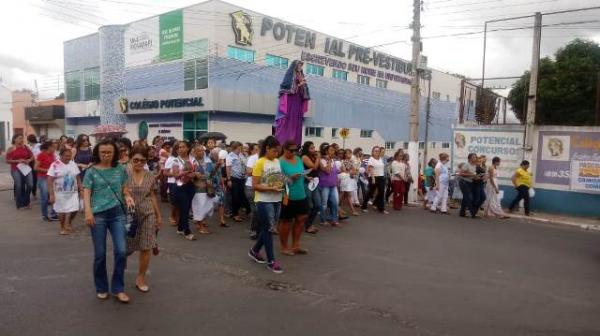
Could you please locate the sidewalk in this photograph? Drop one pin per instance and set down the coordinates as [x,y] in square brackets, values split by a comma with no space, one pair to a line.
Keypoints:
[584,223]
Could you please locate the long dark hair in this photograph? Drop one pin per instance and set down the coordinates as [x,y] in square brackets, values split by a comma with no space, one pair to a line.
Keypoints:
[306,148]
[324,148]
[269,142]
[14,137]
[79,140]
[96,152]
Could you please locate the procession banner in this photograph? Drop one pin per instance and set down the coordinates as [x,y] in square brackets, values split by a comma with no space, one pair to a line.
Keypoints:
[556,151]
[505,144]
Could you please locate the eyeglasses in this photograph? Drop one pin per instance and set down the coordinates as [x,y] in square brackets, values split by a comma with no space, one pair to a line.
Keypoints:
[136,160]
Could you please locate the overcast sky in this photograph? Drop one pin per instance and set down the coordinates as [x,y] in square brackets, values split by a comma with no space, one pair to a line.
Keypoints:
[33,31]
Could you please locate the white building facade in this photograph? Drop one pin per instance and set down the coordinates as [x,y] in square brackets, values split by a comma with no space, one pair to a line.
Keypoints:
[6,118]
[217,67]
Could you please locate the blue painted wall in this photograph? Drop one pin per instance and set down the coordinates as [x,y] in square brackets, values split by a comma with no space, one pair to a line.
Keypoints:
[559,202]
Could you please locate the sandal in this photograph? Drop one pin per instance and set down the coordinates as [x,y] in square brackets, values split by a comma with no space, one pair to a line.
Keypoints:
[172,222]
[143,288]
[122,297]
[102,296]
[237,219]
[64,232]
[224,225]
[300,251]
[288,252]
[312,230]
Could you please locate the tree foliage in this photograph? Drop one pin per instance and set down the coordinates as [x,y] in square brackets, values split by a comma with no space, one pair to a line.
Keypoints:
[567,86]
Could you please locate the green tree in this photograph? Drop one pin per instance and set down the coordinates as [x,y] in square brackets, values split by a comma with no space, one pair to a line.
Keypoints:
[566,86]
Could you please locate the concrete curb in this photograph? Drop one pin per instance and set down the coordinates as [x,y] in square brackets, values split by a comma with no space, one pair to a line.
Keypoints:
[587,227]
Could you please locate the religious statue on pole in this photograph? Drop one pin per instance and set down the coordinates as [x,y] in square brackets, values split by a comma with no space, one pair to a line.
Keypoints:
[293,103]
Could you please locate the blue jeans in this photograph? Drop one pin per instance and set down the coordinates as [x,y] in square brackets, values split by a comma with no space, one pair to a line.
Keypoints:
[112,220]
[184,196]
[329,198]
[315,204]
[268,215]
[468,191]
[42,184]
[23,186]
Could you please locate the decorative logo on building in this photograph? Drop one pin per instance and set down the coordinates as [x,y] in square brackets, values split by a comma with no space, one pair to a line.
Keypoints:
[242,28]
[123,105]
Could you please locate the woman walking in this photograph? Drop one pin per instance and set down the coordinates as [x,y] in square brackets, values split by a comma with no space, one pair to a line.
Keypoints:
[213,169]
[202,204]
[429,183]
[268,183]
[142,184]
[19,156]
[64,187]
[83,156]
[170,172]
[409,178]
[375,173]
[311,159]
[492,205]
[43,162]
[328,181]
[184,171]
[295,205]
[442,184]
[522,182]
[348,184]
[398,177]
[106,197]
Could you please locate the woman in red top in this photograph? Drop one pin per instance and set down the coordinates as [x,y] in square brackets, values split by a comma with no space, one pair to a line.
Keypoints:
[20,157]
[42,164]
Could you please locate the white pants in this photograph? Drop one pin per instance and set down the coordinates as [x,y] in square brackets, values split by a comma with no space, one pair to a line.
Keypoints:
[441,196]
[431,194]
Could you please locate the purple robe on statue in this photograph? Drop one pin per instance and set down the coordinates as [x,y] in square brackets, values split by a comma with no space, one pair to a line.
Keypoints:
[293,103]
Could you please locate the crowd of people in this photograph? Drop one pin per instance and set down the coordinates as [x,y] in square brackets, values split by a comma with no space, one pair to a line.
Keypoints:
[280,189]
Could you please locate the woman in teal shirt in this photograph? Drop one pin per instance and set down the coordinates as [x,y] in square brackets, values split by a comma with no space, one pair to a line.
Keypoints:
[105,197]
[295,205]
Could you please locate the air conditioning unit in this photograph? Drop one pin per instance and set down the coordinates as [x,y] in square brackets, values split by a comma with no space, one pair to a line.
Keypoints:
[423,62]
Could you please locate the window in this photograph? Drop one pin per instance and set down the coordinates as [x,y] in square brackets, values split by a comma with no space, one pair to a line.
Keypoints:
[313,132]
[339,74]
[382,84]
[445,145]
[360,79]
[316,70]
[436,95]
[73,85]
[91,79]
[432,144]
[194,125]
[195,75]
[421,145]
[390,145]
[240,54]
[276,61]
[405,145]
[366,133]
[448,98]
[335,133]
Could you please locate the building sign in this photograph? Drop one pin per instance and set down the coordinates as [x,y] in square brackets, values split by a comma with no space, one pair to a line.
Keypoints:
[556,151]
[241,23]
[171,36]
[164,103]
[363,70]
[507,145]
[141,42]
[585,176]
[348,56]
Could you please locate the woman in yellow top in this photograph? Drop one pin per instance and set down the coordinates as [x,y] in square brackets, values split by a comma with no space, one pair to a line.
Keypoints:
[268,183]
[522,182]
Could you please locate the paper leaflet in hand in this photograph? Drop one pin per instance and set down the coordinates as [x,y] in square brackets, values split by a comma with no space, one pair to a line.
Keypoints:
[25,169]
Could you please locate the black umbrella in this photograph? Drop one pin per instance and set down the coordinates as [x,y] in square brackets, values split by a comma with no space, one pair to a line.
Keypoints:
[212,135]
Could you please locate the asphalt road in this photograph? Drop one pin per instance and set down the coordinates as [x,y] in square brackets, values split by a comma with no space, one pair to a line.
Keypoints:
[412,273]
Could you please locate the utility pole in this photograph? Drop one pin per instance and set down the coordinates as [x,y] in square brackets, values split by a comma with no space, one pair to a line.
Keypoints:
[413,144]
[533,86]
[427,120]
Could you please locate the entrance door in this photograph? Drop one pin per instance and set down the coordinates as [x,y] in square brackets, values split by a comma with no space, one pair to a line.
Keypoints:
[194,125]
[2,137]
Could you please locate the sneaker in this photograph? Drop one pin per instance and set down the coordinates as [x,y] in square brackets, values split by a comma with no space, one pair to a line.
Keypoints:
[365,211]
[181,233]
[256,257]
[275,267]
[54,219]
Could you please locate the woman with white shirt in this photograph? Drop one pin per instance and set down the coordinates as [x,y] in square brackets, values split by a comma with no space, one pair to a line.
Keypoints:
[399,177]
[442,182]
[375,172]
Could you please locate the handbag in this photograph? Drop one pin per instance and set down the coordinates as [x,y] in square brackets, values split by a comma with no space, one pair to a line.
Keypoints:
[132,218]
